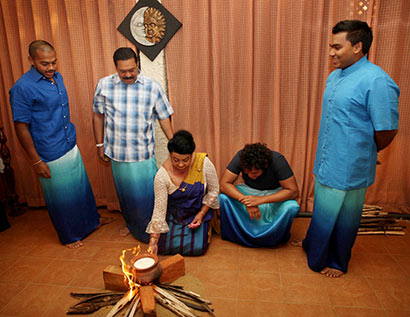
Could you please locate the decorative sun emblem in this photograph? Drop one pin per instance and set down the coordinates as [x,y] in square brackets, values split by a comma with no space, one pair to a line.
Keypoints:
[149,26]
[155,25]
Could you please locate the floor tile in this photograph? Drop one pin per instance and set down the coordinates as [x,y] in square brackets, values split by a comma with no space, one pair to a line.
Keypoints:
[359,312]
[25,269]
[305,310]
[59,272]
[258,260]
[394,294]
[8,290]
[380,265]
[219,283]
[262,286]
[33,300]
[255,308]
[304,289]
[347,291]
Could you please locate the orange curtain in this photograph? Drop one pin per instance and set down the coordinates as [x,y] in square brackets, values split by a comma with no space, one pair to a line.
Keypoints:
[248,71]
[238,71]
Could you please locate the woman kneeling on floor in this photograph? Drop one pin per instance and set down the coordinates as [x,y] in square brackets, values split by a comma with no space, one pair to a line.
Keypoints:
[186,190]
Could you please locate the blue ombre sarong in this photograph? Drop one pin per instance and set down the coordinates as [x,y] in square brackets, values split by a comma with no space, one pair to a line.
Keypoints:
[69,198]
[333,228]
[134,183]
[183,206]
[270,230]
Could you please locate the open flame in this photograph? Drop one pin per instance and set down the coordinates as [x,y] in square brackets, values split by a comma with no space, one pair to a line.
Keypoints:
[126,263]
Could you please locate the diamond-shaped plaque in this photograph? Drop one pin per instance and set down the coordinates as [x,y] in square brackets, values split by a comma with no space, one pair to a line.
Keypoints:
[149,26]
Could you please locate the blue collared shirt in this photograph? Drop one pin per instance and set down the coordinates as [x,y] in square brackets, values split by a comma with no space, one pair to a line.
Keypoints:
[130,112]
[43,105]
[357,101]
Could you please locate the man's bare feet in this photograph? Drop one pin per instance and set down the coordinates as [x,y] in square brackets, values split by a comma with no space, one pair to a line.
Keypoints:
[296,242]
[329,272]
[106,220]
[74,245]
[124,232]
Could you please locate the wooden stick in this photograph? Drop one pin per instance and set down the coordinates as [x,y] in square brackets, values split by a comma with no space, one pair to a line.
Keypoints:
[180,305]
[120,304]
[179,289]
[173,306]
[393,233]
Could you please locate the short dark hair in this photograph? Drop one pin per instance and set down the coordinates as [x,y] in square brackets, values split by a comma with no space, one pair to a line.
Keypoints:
[125,53]
[182,143]
[357,31]
[38,44]
[255,155]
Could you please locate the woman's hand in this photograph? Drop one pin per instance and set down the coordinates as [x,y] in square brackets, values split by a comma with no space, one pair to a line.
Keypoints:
[153,244]
[252,201]
[254,212]
[197,220]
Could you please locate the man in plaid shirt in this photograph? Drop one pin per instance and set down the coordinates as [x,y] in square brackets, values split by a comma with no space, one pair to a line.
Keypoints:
[126,106]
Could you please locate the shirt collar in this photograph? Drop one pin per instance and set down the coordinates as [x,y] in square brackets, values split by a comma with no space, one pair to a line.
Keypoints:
[34,73]
[117,79]
[354,66]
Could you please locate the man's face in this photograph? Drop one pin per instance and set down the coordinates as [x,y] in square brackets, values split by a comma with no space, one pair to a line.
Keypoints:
[127,70]
[45,62]
[342,52]
[253,173]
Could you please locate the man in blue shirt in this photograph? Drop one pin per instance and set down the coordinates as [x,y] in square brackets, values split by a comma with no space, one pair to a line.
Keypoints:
[126,107]
[359,119]
[41,118]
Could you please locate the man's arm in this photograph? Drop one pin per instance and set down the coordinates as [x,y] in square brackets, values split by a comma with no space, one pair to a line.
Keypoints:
[98,127]
[168,127]
[24,136]
[384,138]
[227,185]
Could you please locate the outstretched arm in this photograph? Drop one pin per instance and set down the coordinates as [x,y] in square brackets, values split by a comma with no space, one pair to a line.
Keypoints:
[24,136]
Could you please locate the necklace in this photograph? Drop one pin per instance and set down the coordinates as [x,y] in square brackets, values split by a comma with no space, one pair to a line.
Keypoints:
[183,189]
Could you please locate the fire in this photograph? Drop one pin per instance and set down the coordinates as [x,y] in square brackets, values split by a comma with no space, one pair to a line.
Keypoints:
[127,269]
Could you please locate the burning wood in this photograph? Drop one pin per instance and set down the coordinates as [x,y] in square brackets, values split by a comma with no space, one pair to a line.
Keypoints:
[142,278]
[375,221]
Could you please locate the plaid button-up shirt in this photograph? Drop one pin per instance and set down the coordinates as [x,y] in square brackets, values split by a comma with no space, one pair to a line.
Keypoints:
[130,112]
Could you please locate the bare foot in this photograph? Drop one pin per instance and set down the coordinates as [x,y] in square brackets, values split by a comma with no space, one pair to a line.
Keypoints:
[74,245]
[296,242]
[106,220]
[124,232]
[329,272]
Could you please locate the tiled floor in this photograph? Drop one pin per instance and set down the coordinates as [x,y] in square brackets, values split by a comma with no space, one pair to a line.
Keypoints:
[37,273]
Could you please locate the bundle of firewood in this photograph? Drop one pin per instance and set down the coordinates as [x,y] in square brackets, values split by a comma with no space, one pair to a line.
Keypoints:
[375,221]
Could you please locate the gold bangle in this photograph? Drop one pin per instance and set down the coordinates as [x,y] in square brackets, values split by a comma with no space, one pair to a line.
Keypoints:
[38,162]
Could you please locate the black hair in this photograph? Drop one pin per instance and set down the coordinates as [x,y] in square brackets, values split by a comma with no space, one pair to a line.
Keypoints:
[255,155]
[125,53]
[38,44]
[357,31]
[182,143]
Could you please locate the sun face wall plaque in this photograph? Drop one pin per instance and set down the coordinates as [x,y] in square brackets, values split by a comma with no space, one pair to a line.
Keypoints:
[149,26]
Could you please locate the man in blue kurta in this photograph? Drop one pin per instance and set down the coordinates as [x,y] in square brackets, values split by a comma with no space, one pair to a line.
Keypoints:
[126,107]
[41,118]
[359,119]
